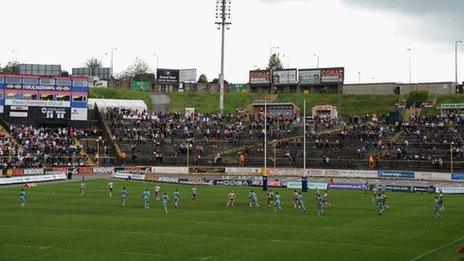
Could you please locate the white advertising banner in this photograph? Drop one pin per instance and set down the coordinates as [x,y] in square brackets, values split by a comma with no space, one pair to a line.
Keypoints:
[324,173]
[122,175]
[238,170]
[18,114]
[78,114]
[33,171]
[450,190]
[433,176]
[27,179]
[169,170]
[103,170]
[35,103]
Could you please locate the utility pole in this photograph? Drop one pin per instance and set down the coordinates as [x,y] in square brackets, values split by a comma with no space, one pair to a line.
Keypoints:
[409,51]
[223,22]
[456,60]
[304,136]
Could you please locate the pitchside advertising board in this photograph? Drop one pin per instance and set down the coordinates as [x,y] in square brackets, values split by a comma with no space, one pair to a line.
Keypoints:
[260,77]
[167,76]
[283,77]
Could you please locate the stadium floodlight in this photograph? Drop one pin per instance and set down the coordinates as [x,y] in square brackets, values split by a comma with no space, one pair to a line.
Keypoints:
[456,60]
[409,51]
[223,10]
[317,60]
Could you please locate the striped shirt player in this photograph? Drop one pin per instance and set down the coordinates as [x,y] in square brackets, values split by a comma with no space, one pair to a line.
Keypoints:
[231,199]
[82,188]
[110,189]
[300,203]
[193,194]
[157,192]
[270,198]
[295,198]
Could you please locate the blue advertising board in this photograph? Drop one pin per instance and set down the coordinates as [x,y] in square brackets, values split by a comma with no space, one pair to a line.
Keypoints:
[395,174]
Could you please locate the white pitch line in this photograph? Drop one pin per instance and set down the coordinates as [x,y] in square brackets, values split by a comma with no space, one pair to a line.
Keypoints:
[436,249]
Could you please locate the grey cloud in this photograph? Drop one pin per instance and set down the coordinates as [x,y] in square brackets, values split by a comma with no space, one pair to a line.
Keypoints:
[439,20]
[416,7]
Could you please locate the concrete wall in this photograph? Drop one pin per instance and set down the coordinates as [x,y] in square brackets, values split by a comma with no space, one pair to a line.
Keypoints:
[405,88]
[369,88]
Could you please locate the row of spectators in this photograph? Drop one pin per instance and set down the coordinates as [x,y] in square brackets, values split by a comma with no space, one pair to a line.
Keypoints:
[424,138]
[40,146]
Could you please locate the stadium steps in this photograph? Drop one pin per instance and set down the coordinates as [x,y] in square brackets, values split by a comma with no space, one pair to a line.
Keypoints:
[160,102]
[409,112]
[267,97]
[84,154]
[8,135]
[269,142]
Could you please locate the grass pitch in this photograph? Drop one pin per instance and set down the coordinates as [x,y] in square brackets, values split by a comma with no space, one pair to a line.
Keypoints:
[58,224]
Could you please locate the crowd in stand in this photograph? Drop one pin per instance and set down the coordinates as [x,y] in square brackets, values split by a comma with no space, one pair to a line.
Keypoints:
[39,146]
[356,138]
[214,139]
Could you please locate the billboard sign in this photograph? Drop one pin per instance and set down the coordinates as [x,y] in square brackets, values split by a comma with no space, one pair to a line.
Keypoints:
[141,86]
[332,75]
[167,76]
[309,76]
[101,73]
[260,77]
[40,69]
[188,76]
[282,77]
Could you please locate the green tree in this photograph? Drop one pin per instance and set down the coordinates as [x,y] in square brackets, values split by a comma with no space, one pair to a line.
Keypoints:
[216,80]
[274,63]
[417,98]
[64,73]
[202,79]
[138,71]
[11,68]
[94,64]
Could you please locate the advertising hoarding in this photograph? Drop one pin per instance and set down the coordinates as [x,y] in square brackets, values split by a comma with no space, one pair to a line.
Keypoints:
[167,76]
[332,75]
[40,69]
[101,73]
[188,76]
[309,76]
[282,77]
[396,174]
[143,86]
[260,77]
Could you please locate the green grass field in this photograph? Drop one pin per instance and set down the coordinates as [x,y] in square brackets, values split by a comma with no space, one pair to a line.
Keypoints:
[58,224]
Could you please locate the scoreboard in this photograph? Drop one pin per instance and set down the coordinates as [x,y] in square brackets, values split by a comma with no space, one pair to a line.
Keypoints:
[43,99]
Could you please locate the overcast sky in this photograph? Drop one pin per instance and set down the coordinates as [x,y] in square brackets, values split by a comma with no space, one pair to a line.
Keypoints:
[367,36]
